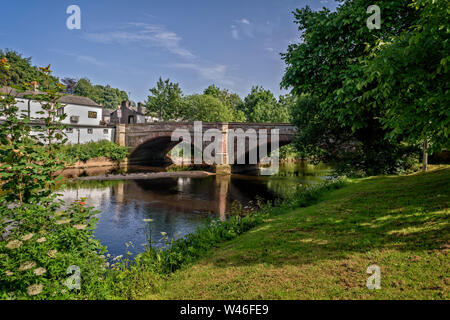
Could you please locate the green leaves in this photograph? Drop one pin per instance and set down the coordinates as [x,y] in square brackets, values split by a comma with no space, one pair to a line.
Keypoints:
[165,101]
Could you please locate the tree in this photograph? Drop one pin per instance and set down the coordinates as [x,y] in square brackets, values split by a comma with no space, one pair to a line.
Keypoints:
[260,105]
[84,88]
[165,101]
[22,71]
[227,98]
[324,65]
[406,76]
[257,96]
[207,108]
[107,96]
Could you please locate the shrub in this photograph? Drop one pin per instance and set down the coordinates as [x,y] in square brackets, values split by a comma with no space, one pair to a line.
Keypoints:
[84,152]
[40,246]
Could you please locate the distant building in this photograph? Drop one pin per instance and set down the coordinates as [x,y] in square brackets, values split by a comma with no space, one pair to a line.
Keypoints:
[83,116]
[128,115]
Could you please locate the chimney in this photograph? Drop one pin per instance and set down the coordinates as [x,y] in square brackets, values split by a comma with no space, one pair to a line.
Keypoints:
[139,108]
[126,104]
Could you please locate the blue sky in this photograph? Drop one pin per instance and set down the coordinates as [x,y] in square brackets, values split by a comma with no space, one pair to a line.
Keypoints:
[130,44]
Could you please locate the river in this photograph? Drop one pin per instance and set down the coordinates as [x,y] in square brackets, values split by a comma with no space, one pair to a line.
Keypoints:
[133,211]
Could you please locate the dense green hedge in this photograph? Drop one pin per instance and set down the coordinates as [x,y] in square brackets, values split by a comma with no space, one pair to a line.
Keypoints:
[84,152]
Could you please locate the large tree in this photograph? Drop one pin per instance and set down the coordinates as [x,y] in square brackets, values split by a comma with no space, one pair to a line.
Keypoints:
[328,58]
[165,101]
[406,76]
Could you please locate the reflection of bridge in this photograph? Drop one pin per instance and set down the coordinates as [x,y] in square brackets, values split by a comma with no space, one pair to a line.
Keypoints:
[151,142]
[212,194]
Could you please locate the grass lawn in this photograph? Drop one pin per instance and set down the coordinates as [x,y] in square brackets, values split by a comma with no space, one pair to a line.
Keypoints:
[400,223]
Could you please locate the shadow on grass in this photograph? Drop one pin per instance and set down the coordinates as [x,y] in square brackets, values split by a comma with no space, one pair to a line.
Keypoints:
[404,213]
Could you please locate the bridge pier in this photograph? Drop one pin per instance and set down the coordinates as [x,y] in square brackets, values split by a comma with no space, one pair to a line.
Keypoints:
[222,169]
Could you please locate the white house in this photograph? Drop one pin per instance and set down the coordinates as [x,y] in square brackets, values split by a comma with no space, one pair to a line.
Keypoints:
[83,116]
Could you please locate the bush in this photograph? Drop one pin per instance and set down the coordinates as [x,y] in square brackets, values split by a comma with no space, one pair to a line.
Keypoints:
[41,245]
[84,152]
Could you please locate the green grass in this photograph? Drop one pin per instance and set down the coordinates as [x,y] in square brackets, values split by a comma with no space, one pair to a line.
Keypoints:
[400,223]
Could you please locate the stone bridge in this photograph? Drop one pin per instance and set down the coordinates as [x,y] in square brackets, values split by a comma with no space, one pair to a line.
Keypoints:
[150,143]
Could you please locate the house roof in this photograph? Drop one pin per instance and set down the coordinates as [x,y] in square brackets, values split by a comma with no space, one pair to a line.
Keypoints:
[66,98]
[83,101]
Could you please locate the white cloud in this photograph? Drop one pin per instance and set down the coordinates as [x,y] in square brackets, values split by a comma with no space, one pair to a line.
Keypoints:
[216,72]
[244,28]
[145,35]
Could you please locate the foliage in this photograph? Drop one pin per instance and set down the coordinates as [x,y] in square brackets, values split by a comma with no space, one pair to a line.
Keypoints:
[165,101]
[323,67]
[320,140]
[107,96]
[21,71]
[90,150]
[227,98]
[42,245]
[39,241]
[209,109]
[28,158]
[407,76]
[260,105]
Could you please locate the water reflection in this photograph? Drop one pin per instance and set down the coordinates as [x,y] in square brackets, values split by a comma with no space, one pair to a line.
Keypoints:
[177,206]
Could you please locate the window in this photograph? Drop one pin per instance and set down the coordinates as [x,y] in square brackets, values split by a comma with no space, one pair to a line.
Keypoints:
[74,119]
[69,130]
[90,131]
[60,111]
[105,131]
[92,114]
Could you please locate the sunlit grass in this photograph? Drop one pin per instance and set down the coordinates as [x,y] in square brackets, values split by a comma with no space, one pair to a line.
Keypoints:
[400,223]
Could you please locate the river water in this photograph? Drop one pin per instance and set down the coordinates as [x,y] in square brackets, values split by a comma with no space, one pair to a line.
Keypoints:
[134,211]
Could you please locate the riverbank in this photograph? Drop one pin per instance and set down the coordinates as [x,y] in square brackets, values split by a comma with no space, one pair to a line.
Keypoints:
[399,223]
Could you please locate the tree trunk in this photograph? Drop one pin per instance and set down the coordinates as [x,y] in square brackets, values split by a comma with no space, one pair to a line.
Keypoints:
[425,156]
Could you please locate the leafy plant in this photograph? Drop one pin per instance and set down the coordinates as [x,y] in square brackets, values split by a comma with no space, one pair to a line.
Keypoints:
[40,238]
[84,152]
